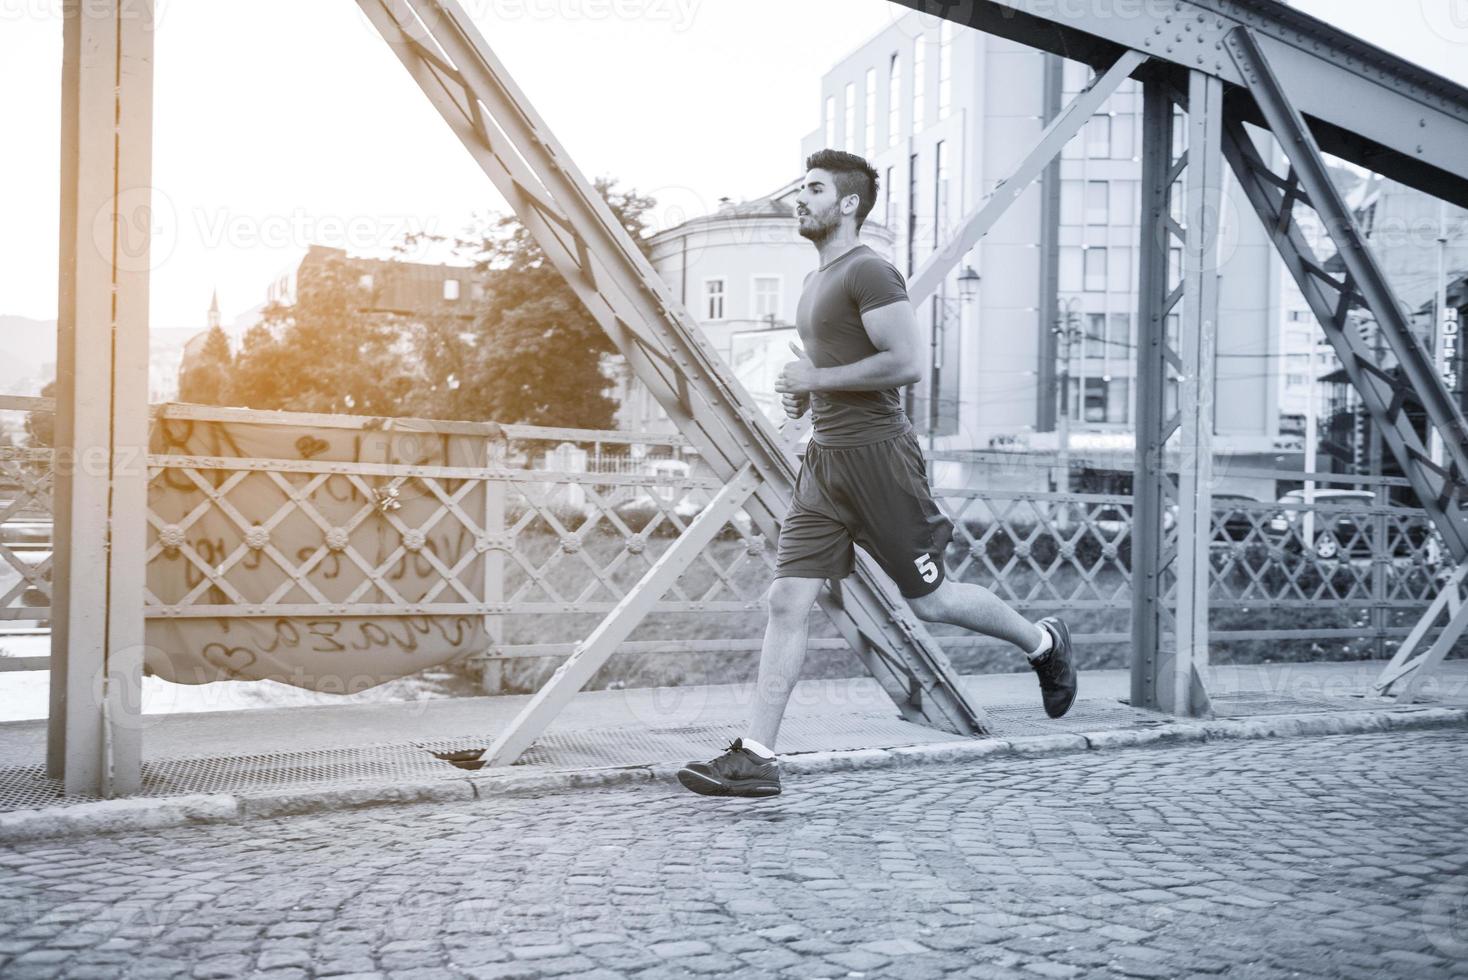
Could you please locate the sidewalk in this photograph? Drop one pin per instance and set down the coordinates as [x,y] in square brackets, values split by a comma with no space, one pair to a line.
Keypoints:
[284,758]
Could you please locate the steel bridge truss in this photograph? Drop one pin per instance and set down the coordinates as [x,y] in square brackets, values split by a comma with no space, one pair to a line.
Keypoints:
[1226,62]
[449,59]
[1234,82]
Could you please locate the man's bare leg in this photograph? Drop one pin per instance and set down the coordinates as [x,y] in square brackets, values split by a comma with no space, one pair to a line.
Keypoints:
[976,608]
[748,767]
[1047,648]
[789,602]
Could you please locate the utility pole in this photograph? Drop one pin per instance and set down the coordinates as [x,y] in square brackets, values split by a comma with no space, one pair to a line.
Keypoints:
[1065,329]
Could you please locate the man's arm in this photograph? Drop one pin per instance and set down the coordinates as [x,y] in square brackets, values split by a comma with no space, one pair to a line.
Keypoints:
[893,331]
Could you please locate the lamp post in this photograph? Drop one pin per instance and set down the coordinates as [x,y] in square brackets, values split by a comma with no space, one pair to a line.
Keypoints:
[968,291]
[1066,328]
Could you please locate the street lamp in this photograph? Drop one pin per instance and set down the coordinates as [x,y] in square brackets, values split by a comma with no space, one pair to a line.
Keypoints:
[968,284]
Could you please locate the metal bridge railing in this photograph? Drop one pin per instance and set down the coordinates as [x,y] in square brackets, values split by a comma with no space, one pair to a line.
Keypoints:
[564,522]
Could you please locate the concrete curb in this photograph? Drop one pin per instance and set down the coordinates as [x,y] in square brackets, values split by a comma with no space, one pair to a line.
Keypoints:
[153,813]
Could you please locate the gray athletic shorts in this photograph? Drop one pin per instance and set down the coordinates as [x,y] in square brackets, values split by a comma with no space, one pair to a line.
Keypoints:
[876,496]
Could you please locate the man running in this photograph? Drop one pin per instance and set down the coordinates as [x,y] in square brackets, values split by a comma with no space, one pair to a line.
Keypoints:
[863,479]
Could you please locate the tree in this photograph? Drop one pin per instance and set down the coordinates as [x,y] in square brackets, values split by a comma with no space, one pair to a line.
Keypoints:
[40,427]
[536,355]
[205,377]
[330,351]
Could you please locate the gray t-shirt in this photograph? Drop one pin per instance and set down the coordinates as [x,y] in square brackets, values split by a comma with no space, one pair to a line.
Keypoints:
[829,321]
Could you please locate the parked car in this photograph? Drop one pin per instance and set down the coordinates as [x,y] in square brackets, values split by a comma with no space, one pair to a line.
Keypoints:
[1340,534]
[1236,524]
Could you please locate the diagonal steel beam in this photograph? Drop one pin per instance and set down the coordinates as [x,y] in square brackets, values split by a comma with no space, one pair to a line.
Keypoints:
[1377,390]
[1410,659]
[1443,415]
[589,655]
[1062,130]
[447,56]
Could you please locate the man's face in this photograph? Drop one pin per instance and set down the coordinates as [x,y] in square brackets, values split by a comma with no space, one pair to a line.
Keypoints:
[818,206]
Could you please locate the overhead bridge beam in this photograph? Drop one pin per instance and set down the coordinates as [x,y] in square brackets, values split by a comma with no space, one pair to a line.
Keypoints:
[1363,104]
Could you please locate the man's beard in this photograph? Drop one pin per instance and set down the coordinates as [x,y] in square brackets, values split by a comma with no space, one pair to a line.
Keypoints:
[819,227]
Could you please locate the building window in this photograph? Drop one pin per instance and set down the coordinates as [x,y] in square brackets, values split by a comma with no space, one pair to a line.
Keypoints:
[1123,136]
[1119,400]
[890,211]
[870,144]
[1119,337]
[919,84]
[1098,136]
[1123,202]
[1119,270]
[894,99]
[1098,203]
[1072,206]
[940,195]
[945,69]
[1095,407]
[451,289]
[1299,316]
[713,299]
[1071,266]
[849,117]
[1096,336]
[831,121]
[765,298]
[1095,270]
[365,280]
[912,208]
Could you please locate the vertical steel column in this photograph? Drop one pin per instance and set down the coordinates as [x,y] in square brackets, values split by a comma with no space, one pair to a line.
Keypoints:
[1181,691]
[94,739]
[1171,647]
[1150,486]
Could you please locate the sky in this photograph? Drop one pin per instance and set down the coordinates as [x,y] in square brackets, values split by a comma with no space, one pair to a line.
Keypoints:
[279,123]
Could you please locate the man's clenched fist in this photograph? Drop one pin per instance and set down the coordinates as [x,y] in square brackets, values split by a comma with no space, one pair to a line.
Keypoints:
[795,405]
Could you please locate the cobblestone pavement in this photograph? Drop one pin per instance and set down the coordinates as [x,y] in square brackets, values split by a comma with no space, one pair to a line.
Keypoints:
[1331,857]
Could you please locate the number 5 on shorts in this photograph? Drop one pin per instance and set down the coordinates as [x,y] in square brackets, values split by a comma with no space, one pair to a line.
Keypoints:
[925,565]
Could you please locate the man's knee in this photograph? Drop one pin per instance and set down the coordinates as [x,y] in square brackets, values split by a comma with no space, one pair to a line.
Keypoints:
[789,600]
[934,605]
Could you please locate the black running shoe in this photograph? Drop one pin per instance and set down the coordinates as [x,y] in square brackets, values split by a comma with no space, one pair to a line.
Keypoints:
[1057,672]
[738,772]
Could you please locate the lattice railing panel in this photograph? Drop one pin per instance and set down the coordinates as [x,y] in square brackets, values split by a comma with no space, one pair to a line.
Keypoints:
[25,534]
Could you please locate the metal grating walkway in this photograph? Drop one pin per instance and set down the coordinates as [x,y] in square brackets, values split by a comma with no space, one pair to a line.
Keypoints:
[26,787]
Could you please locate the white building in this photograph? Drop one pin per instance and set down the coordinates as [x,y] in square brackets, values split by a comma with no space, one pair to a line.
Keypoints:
[945,113]
[738,271]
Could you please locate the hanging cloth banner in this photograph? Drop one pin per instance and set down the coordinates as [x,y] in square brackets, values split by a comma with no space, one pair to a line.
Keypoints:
[297,535]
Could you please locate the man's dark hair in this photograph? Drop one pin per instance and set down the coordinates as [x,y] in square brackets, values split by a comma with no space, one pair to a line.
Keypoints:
[852,174]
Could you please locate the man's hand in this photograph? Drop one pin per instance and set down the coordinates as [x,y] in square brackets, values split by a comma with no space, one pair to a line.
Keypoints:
[798,377]
[795,405]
